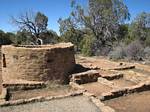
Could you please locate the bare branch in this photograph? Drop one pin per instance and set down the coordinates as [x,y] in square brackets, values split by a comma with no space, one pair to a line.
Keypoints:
[35,24]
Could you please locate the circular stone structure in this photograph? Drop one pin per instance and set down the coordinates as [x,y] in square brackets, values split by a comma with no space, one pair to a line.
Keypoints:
[37,63]
[0,71]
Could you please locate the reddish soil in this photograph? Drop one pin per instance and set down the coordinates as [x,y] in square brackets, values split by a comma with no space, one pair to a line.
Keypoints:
[135,76]
[142,71]
[96,88]
[138,102]
[143,67]
[123,83]
[98,62]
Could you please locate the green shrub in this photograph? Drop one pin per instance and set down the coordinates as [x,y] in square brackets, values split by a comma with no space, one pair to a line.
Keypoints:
[147,53]
[86,44]
[147,41]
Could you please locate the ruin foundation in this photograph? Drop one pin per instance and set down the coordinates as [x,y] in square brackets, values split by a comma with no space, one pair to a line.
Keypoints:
[36,63]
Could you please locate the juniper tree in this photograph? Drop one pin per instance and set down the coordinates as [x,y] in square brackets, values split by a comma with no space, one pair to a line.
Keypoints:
[35,23]
[102,17]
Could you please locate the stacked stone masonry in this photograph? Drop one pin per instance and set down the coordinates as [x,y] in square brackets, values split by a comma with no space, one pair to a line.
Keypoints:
[37,63]
[0,72]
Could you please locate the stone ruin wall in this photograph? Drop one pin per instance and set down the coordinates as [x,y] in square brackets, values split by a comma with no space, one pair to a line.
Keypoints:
[0,71]
[40,63]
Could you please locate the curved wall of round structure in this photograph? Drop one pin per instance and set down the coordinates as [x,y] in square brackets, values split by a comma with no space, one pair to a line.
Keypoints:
[0,70]
[38,63]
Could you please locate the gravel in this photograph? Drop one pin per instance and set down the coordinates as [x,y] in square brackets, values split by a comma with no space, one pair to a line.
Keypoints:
[71,104]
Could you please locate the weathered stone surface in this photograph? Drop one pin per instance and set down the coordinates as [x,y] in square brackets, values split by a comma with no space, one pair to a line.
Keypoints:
[39,99]
[0,71]
[38,63]
[68,104]
[76,86]
[101,105]
[85,77]
[107,82]
[124,67]
[126,90]
[16,85]
[3,94]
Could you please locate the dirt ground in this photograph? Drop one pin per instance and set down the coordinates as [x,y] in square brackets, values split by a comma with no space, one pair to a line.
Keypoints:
[96,88]
[138,102]
[104,63]
[139,74]
[145,68]
[123,83]
[105,73]
[72,104]
[142,71]
[51,91]
[100,62]
[135,76]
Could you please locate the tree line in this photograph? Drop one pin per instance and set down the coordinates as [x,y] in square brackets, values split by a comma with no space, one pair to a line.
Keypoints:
[103,28]
[99,28]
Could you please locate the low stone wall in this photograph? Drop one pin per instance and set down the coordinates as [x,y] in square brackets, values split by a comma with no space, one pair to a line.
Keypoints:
[107,82]
[102,107]
[126,67]
[0,71]
[124,91]
[38,99]
[3,95]
[38,63]
[113,76]
[85,77]
[93,75]
[116,92]
[25,86]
